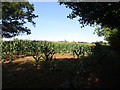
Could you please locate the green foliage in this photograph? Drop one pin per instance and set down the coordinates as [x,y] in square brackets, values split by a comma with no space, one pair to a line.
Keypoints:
[114,41]
[15,16]
[82,50]
[105,31]
[106,14]
[43,49]
[79,51]
[48,50]
[112,36]
[100,51]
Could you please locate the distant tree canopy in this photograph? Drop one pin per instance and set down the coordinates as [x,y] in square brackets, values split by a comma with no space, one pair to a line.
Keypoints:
[105,14]
[14,16]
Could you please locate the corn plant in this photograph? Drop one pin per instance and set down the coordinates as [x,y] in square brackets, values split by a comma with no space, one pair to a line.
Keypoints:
[78,51]
[48,51]
[35,52]
[44,49]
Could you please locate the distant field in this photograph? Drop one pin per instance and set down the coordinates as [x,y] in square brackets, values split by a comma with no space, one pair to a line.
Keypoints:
[74,43]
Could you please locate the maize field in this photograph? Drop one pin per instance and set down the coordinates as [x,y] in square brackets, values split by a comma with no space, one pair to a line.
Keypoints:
[44,49]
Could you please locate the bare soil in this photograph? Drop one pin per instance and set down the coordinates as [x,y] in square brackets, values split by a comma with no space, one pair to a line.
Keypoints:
[22,73]
[30,58]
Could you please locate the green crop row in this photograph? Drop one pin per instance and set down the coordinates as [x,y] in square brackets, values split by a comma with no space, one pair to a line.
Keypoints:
[22,46]
[46,49]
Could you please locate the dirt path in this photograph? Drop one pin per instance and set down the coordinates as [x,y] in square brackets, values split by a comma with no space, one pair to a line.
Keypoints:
[30,58]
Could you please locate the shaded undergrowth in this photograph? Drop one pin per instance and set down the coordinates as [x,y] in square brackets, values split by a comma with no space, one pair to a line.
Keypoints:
[100,70]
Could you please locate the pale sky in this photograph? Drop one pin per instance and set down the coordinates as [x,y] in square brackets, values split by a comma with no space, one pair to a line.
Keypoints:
[52,24]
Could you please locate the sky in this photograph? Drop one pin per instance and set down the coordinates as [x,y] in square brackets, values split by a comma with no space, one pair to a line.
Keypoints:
[52,24]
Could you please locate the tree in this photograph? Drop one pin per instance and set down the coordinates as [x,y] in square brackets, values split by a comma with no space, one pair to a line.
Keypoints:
[14,16]
[106,32]
[112,36]
[106,14]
